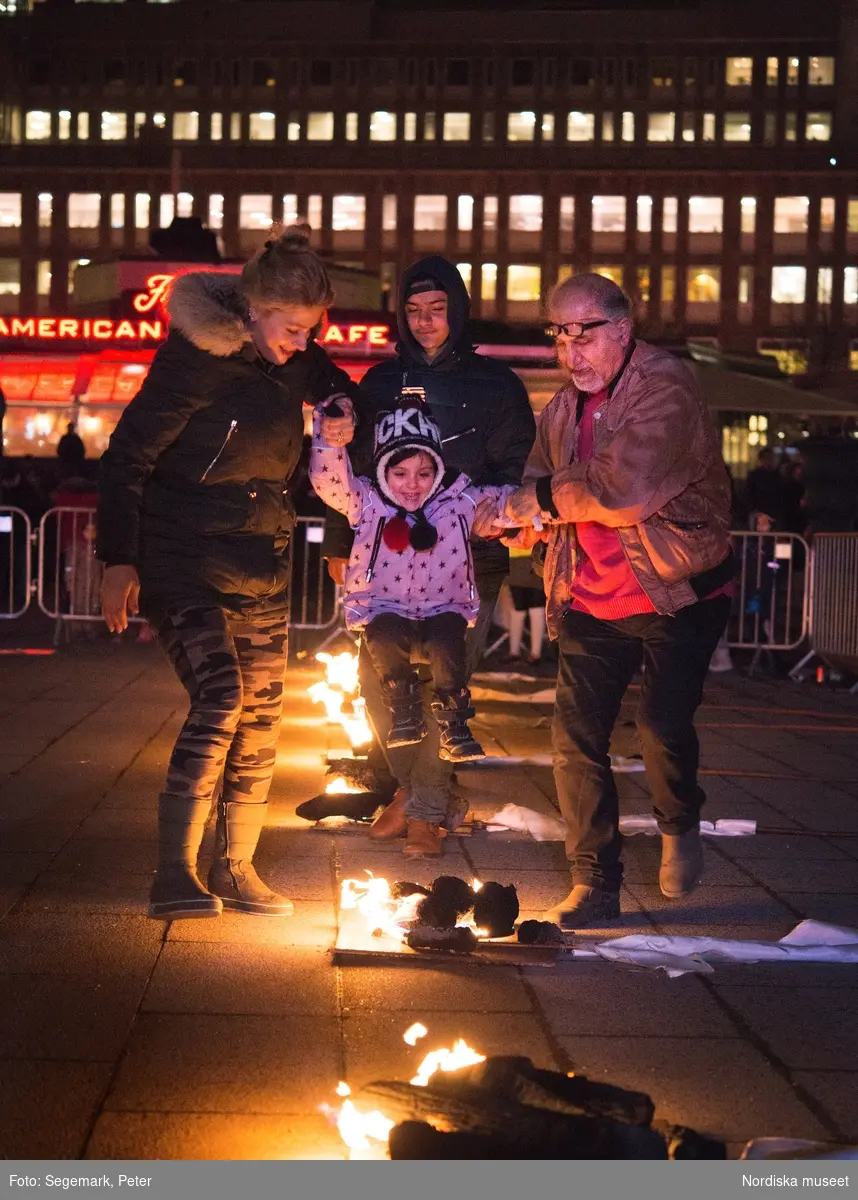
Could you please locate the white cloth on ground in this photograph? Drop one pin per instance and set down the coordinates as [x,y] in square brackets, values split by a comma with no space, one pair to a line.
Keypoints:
[544,827]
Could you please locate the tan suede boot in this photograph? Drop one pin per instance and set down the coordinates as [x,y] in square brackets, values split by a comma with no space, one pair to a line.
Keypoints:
[681,863]
[423,840]
[391,823]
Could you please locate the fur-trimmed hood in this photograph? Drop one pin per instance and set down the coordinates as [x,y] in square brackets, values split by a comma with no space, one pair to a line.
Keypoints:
[208,308]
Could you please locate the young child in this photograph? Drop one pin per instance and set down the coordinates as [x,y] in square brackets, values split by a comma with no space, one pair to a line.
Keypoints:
[410,579]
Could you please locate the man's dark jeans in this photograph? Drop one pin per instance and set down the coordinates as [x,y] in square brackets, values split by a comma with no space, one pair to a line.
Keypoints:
[597,661]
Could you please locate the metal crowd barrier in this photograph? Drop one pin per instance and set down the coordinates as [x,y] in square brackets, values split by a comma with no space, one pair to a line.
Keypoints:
[16,567]
[771,595]
[834,602]
[315,600]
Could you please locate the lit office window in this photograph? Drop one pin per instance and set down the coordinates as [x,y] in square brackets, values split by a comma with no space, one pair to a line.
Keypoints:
[627,127]
[320,127]
[114,126]
[746,285]
[117,210]
[430,213]
[388,213]
[489,281]
[490,213]
[488,130]
[235,127]
[614,272]
[139,122]
[73,266]
[644,214]
[83,127]
[609,214]
[46,203]
[260,127]
[748,214]
[525,214]
[792,72]
[314,211]
[141,210]
[824,285]
[290,209]
[456,127]
[523,282]
[84,210]
[643,284]
[705,214]
[348,213]
[818,127]
[790,127]
[737,127]
[166,209]
[791,214]
[465,271]
[772,71]
[770,128]
[669,214]
[548,127]
[64,124]
[215,214]
[661,127]
[10,210]
[789,285]
[465,213]
[668,285]
[607,127]
[37,125]
[409,127]
[254,211]
[382,126]
[689,133]
[10,277]
[826,214]
[351,127]
[820,72]
[850,285]
[520,126]
[186,126]
[184,204]
[703,285]
[580,127]
[216,127]
[43,277]
[708,127]
[738,72]
[429,127]
[567,214]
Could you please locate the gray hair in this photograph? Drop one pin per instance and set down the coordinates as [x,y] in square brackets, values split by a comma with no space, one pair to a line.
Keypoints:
[603,292]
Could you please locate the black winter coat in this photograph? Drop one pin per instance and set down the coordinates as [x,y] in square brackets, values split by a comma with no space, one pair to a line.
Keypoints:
[193,483]
[480,406]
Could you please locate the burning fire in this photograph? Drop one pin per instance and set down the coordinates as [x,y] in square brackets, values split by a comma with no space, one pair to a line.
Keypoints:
[338,692]
[373,900]
[360,1130]
[339,787]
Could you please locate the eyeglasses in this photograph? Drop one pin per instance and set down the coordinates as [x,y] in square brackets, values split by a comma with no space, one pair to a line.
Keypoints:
[574,329]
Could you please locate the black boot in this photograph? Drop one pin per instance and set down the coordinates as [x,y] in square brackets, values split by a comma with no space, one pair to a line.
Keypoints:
[176,890]
[406,712]
[232,876]
[452,713]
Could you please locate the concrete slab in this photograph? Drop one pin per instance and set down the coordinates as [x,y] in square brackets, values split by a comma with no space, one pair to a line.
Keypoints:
[102,946]
[49,1107]
[313,926]
[807,1028]
[835,1092]
[213,1136]
[66,1018]
[446,988]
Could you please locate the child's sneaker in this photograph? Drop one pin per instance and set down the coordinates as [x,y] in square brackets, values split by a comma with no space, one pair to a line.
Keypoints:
[406,708]
[458,744]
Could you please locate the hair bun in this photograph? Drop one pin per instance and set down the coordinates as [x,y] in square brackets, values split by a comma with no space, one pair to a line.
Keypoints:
[289,238]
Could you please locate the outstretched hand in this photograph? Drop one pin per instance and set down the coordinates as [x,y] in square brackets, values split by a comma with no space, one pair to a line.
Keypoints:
[337,428]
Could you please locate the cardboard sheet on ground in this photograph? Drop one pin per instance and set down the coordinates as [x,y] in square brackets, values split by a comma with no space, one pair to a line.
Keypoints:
[809,941]
[544,827]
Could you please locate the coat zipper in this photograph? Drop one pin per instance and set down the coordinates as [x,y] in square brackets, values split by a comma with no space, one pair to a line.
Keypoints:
[455,436]
[376,546]
[466,537]
[233,425]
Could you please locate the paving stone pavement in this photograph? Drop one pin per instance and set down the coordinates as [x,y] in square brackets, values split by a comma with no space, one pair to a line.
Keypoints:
[127,1038]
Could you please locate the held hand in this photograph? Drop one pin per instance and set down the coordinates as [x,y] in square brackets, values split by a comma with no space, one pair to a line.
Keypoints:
[484,519]
[337,430]
[120,595]
[526,538]
[337,570]
[522,506]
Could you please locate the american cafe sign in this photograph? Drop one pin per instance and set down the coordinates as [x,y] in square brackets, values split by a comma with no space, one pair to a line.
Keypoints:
[152,325]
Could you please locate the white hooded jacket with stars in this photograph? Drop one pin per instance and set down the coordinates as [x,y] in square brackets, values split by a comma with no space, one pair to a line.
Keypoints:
[412,583]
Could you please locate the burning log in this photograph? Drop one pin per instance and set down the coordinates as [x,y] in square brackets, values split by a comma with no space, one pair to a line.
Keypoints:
[357,806]
[360,776]
[402,888]
[496,909]
[528,1131]
[540,933]
[454,893]
[417,1140]
[433,913]
[456,938]
[685,1143]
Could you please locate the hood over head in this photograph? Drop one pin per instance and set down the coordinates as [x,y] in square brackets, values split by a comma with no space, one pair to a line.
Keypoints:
[209,309]
[442,271]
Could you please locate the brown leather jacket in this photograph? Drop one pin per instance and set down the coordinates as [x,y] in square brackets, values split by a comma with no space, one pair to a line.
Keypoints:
[656,476]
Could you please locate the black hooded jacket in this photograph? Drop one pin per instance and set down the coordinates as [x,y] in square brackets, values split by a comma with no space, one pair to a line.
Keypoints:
[480,406]
[193,484]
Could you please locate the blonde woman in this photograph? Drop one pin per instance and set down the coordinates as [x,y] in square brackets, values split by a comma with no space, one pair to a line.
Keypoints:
[194,524]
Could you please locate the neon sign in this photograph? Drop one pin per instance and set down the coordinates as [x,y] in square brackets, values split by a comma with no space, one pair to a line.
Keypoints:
[98,329]
[156,290]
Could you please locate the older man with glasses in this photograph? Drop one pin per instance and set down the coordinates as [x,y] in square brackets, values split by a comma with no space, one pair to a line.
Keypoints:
[628,481]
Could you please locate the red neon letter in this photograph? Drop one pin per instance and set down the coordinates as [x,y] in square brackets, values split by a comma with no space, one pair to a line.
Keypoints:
[153,330]
[156,288]
[103,330]
[68,327]
[333,334]
[47,327]
[125,330]
[356,333]
[23,328]
[378,335]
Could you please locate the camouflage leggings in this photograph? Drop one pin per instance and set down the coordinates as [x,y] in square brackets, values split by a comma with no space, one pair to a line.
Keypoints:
[232,668]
